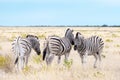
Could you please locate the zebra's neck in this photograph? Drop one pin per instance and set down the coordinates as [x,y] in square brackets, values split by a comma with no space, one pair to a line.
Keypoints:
[82,47]
[67,38]
[66,44]
[30,41]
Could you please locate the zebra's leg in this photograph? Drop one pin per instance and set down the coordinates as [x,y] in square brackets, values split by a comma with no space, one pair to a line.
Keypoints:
[81,56]
[18,65]
[49,59]
[21,63]
[85,59]
[59,58]
[26,60]
[66,56]
[99,56]
[96,59]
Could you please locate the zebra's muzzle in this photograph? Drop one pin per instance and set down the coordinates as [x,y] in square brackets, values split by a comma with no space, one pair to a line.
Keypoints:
[75,47]
[72,42]
[38,53]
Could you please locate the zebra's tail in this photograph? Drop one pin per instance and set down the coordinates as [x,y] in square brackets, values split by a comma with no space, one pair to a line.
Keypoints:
[16,60]
[44,53]
[45,50]
[15,48]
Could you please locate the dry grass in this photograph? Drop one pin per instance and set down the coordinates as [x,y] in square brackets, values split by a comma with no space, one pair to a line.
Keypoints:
[71,70]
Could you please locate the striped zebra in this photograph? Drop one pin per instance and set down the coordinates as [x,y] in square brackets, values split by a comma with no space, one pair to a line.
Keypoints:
[22,49]
[58,46]
[90,46]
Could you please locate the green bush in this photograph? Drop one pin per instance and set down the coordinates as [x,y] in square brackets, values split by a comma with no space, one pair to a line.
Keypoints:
[68,63]
[42,36]
[24,35]
[106,46]
[103,56]
[117,45]
[109,40]
[37,59]
[98,74]
[114,35]
[12,38]
[5,63]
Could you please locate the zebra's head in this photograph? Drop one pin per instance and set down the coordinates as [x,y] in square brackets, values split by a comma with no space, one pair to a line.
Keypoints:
[78,40]
[70,36]
[35,43]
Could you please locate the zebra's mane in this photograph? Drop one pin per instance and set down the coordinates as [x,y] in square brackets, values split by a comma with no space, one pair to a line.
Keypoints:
[78,33]
[31,36]
[68,30]
[33,40]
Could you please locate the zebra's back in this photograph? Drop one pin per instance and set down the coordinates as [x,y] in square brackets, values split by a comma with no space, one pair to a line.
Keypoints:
[55,46]
[59,46]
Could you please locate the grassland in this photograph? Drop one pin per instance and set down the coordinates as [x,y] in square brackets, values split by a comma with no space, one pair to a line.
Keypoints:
[73,70]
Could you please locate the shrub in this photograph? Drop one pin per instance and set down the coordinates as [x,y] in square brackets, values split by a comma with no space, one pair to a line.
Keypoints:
[11,38]
[117,45]
[103,56]
[109,40]
[37,59]
[68,63]
[114,35]
[41,36]
[5,63]
[24,35]
[26,69]
[98,74]
[106,46]
[0,48]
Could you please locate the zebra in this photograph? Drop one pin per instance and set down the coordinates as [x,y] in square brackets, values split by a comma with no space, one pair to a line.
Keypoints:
[90,46]
[22,49]
[58,46]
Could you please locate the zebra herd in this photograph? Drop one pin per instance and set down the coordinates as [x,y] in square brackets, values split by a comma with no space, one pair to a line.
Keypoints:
[57,46]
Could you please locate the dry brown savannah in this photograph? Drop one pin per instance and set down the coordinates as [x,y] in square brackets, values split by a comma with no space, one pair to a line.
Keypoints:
[73,69]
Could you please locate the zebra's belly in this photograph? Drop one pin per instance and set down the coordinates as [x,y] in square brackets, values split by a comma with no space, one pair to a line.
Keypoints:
[86,52]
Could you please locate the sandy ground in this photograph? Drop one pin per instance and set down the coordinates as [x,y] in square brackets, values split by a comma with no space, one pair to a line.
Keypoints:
[37,69]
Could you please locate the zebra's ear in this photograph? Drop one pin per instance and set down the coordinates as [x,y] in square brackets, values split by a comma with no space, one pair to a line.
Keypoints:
[77,34]
[27,36]
[36,37]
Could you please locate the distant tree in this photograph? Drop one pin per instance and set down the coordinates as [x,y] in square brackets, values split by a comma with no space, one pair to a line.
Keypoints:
[104,25]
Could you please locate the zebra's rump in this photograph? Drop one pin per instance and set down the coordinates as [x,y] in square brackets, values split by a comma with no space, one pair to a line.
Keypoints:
[21,46]
[58,46]
[55,46]
[94,44]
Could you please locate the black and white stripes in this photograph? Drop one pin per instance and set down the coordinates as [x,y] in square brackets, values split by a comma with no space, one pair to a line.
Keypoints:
[58,46]
[22,49]
[90,46]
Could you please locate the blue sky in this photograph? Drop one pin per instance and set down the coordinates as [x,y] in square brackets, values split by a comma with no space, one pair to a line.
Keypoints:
[59,12]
